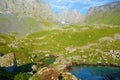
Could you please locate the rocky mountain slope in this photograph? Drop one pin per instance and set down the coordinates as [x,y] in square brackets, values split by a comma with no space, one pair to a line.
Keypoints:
[33,8]
[73,17]
[105,14]
[25,16]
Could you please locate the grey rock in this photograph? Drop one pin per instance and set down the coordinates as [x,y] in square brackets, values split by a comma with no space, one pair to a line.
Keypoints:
[8,62]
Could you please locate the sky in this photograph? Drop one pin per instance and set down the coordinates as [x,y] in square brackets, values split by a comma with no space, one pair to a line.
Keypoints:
[81,5]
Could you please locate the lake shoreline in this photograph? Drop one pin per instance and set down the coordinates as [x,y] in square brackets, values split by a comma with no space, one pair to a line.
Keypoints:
[84,64]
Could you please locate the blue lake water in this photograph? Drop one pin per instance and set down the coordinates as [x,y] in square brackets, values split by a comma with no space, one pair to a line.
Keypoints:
[96,72]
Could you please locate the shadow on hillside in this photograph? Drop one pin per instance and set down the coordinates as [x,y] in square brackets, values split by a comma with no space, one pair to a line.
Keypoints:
[22,70]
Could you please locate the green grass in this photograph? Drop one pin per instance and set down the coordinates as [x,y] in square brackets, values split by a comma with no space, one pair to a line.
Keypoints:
[55,41]
[49,60]
[41,33]
[58,40]
[47,23]
[22,76]
[5,39]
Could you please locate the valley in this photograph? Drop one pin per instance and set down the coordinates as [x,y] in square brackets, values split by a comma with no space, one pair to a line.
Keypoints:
[39,46]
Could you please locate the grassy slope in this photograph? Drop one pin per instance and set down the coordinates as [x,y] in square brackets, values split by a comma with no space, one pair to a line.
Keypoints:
[109,18]
[78,38]
[54,42]
[23,25]
[5,39]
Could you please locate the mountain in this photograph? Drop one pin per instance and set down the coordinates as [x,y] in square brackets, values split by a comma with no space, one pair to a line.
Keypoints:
[105,14]
[73,17]
[25,15]
[33,8]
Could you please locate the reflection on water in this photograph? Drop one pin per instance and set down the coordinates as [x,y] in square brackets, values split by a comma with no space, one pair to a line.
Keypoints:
[96,72]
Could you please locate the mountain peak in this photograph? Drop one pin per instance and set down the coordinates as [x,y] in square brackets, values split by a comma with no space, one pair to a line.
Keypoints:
[74,11]
[73,17]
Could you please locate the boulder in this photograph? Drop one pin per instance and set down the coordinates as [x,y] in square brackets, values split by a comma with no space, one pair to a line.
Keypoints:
[8,62]
[34,67]
[51,74]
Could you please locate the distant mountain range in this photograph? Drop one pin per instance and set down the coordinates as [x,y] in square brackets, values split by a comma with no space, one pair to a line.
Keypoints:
[25,16]
[105,14]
